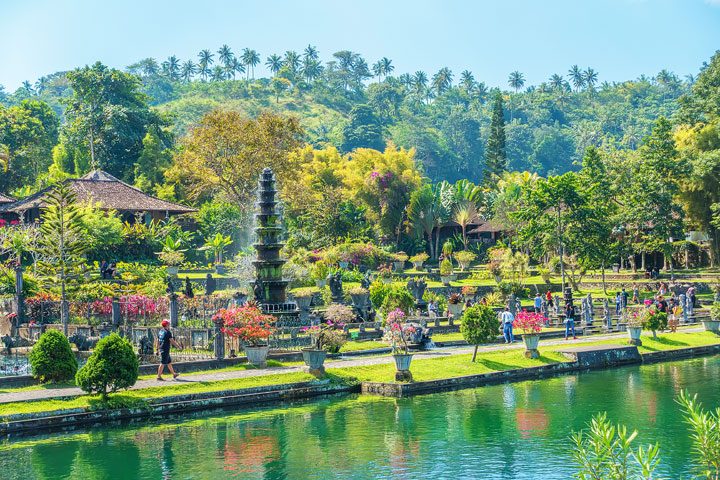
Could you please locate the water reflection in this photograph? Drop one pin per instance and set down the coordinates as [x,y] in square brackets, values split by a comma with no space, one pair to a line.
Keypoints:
[506,431]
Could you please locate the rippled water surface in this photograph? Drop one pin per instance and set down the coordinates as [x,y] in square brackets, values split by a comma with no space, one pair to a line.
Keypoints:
[508,431]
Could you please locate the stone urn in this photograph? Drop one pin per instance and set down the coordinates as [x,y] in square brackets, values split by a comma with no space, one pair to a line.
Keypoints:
[304,302]
[456,310]
[445,279]
[172,271]
[399,266]
[464,265]
[344,265]
[257,355]
[531,345]
[320,283]
[712,325]
[386,280]
[360,300]
[315,360]
[498,278]
[402,364]
[634,334]
[220,269]
[417,265]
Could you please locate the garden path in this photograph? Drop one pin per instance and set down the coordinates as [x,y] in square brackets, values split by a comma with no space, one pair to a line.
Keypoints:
[8,395]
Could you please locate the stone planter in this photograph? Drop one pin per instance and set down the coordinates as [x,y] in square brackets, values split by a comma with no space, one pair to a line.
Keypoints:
[464,266]
[445,279]
[257,355]
[712,326]
[498,278]
[386,280]
[320,283]
[402,364]
[531,345]
[360,300]
[634,334]
[343,265]
[315,360]
[453,277]
[303,303]
[417,265]
[399,266]
[220,269]
[456,309]
[172,271]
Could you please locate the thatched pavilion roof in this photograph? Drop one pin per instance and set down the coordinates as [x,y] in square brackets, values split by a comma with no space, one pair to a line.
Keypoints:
[101,187]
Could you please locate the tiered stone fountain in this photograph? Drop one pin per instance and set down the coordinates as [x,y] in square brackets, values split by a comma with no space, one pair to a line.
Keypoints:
[270,287]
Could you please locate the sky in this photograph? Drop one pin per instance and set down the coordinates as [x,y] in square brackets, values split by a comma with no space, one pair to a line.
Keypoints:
[620,39]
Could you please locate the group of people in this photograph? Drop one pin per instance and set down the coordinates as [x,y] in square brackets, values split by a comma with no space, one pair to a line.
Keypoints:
[108,270]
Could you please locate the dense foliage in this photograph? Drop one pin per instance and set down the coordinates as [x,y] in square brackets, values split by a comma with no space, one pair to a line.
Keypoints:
[112,366]
[52,359]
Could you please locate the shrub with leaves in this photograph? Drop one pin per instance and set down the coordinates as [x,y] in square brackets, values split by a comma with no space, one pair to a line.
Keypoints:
[112,366]
[398,296]
[705,428]
[52,359]
[479,325]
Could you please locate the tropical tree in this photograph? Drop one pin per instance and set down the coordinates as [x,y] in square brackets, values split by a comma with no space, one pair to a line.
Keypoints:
[590,77]
[442,80]
[274,63]
[557,82]
[577,77]
[495,154]
[171,67]
[292,60]
[187,71]
[467,80]
[205,60]
[226,56]
[250,58]
[516,80]
[310,52]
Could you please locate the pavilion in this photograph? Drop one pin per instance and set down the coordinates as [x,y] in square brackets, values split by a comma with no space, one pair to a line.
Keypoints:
[102,189]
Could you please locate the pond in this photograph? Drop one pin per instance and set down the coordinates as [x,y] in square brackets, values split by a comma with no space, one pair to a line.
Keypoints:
[513,431]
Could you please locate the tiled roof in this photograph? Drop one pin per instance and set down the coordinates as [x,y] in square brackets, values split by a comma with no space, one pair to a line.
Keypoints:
[111,193]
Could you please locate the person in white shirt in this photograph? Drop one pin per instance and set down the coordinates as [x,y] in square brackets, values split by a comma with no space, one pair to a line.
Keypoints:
[507,319]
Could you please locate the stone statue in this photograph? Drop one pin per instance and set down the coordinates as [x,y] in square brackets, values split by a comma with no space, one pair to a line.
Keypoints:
[258,290]
[589,312]
[417,288]
[688,306]
[583,310]
[518,308]
[210,284]
[170,290]
[512,304]
[556,303]
[606,314]
[335,283]
[188,292]
[366,280]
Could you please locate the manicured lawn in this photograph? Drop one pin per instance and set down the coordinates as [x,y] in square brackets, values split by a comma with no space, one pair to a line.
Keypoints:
[665,341]
[364,345]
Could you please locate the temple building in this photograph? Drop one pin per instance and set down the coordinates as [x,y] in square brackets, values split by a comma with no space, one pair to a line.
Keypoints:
[102,189]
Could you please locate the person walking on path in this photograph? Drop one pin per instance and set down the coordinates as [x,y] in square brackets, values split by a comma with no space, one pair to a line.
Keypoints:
[165,339]
[507,319]
[623,299]
[618,304]
[569,320]
[636,294]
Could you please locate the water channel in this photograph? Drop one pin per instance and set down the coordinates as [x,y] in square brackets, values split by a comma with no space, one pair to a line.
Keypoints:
[511,431]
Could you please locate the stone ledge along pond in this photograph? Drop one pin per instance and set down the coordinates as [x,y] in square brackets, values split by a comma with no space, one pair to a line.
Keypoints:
[510,431]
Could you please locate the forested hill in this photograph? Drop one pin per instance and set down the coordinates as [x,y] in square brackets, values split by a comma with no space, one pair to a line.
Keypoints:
[445,116]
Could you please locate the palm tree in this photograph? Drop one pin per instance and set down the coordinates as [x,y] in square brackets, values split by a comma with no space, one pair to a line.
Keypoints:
[465,213]
[467,80]
[577,77]
[406,80]
[420,81]
[442,80]
[171,66]
[225,55]
[205,60]
[311,69]
[274,63]
[424,213]
[236,66]
[188,70]
[310,53]
[377,69]
[292,60]
[481,91]
[150,67]
[386,66]
[218,74]
[250,58]
[591,78]
[557,82]
[516,80]
[27,86]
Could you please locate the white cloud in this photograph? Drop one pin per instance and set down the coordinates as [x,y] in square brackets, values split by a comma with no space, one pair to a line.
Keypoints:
[713,2]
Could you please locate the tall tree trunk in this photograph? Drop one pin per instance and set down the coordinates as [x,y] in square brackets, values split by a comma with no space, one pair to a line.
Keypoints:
[643,262]
[475,353]
[602,267]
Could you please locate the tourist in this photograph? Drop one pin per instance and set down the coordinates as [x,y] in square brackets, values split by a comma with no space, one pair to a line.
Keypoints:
[507,319]
[103,269]
[570,320]
[165,339]
[538,303]
[662,305]
[433,309]
[468,304]
[618,304]
[111,270]
[636,294]
[691,295]
[549,298]
[623,299]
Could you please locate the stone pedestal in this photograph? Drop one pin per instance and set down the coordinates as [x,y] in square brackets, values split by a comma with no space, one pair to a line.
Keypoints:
[174,318]
[403,376]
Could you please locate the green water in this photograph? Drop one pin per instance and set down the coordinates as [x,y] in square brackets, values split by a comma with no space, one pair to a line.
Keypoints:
[507,431]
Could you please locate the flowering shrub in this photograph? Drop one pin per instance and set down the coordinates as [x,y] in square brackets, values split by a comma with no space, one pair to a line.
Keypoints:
[246,323]
[385,271]
[454,299]
[529,322]
[357,254]
[396,316]
[328,336]
[468,290]
[654,320]
[397,335]
[419,258]
[339,314]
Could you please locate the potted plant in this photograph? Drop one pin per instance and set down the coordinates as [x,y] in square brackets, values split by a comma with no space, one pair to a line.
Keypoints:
[359,296]
[399,261]
[344,261]
[464,258]
[337,315]
[654,320]
[713,325]
[530,325]
[446,271]
[397,334]
[385,273]
[319,272]
[634,327]
[455,305]
[468,291]
[323,337]
[251,327]
[172,261]
[419,259]
[303,297]
[217,245]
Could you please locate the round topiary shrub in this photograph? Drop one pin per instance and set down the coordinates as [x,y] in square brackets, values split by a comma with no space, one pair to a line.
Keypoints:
[52,359]
[112,366]
[479,325]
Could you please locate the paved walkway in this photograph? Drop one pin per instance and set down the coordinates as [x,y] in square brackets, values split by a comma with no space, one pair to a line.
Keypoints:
[7,395]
